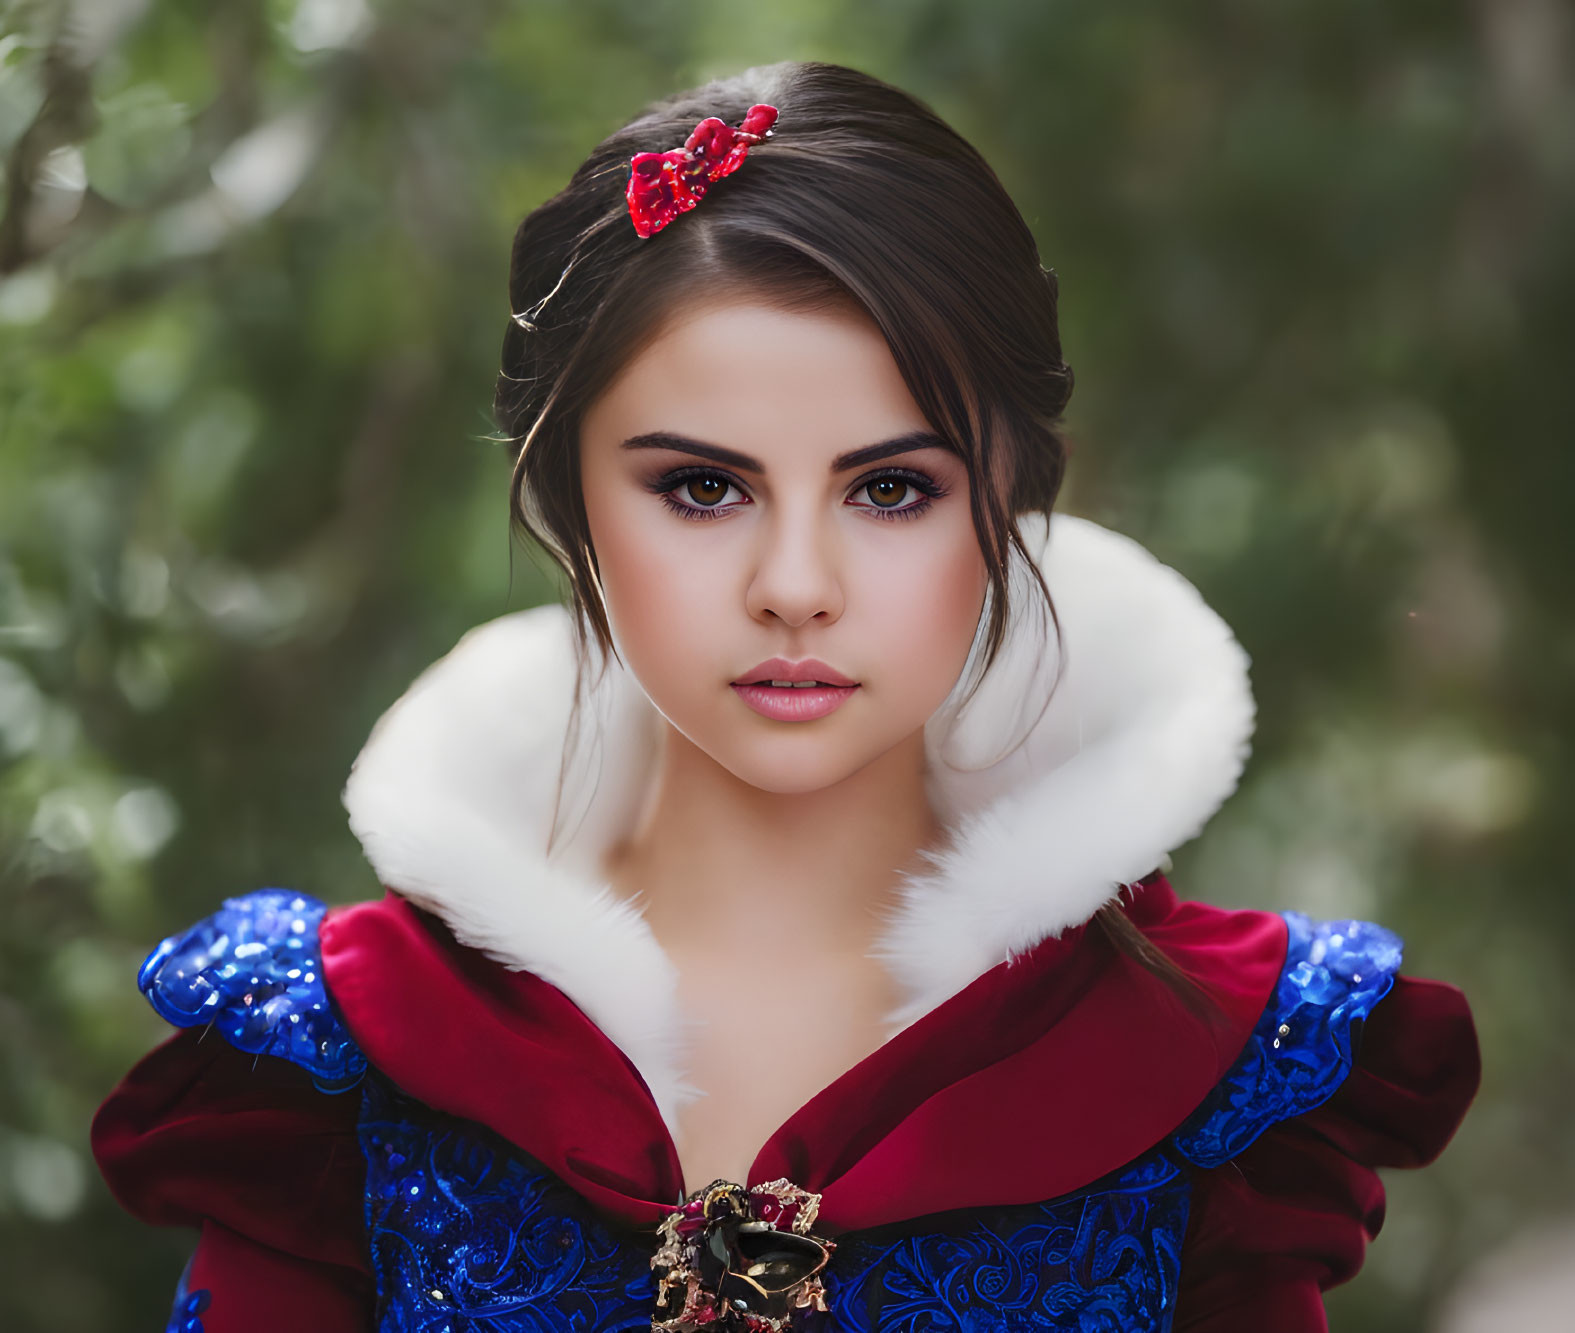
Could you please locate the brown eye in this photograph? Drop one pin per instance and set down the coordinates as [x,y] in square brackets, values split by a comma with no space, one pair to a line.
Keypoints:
[699,493]
[707,490]
[897,493]
[888,492]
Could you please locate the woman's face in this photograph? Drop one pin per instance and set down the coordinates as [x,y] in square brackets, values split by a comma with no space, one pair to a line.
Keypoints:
[761,484]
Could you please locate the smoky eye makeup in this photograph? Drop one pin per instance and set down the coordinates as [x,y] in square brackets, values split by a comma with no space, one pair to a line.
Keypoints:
[673,489]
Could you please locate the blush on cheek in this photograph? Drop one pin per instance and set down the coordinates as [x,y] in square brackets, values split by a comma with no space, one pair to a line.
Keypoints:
[643,571]
[672,614]
[931,603]
[919,623]
[667,590]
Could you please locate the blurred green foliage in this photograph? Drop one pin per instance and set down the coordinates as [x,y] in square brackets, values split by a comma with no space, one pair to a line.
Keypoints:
[1318,288]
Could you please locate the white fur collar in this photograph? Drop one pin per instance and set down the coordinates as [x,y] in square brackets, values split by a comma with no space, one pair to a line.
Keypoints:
[1144,738]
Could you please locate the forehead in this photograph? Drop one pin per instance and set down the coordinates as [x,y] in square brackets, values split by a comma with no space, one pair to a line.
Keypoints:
[788,384]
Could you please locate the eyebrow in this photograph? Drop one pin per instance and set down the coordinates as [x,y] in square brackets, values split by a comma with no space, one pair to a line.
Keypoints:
[900,444]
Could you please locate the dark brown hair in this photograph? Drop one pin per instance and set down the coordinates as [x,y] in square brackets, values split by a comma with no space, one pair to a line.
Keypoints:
[862,195]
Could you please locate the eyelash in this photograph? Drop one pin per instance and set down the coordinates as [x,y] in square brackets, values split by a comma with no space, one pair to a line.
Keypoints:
[669,482]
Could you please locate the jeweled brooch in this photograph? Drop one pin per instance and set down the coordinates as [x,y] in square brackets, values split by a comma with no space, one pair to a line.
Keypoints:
[663,185]
[739,1260]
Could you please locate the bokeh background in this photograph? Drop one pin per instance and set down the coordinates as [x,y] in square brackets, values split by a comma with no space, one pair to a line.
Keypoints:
[1318,288]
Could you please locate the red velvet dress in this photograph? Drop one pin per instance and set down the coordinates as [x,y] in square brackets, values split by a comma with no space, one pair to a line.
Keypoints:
[1041,1078]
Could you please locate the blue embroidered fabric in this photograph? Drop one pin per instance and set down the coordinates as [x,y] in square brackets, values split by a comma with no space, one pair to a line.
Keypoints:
[1106,1258]
[470,1235]
[1300,1050]
[252,969]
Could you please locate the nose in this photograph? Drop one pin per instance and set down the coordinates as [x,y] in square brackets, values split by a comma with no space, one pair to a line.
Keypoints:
[797,575]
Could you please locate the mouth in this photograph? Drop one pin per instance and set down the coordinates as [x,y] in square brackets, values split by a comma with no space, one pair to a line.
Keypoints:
[794,684]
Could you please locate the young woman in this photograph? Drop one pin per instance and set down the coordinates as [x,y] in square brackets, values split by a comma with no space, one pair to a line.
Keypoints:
[776,937]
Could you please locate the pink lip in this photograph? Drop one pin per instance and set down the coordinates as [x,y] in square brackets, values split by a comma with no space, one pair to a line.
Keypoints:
[787,703]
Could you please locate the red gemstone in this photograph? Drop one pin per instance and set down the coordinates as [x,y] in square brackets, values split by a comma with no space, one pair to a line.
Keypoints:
[761,118]
[710,140]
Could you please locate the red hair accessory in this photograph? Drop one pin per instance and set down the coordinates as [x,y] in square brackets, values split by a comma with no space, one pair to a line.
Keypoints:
[663,185]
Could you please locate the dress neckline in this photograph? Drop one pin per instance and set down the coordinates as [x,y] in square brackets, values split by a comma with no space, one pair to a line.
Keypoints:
[936,1117]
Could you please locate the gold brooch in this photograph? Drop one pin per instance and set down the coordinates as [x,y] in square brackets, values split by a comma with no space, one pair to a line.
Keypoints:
[737,1260]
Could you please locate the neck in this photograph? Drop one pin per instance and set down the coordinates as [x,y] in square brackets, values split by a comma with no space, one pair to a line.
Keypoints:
[722,864]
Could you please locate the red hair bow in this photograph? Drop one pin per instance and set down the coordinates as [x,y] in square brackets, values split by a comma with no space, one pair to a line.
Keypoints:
[663,185]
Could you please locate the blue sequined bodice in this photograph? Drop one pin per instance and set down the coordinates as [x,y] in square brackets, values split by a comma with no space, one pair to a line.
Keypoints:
[468,1234]
[1106,1257]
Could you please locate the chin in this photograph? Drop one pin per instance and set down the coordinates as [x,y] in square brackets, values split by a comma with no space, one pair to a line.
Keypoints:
[790,765]
[781,780]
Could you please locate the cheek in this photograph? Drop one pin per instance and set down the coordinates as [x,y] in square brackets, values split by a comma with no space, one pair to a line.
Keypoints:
[664,596]
[919,606]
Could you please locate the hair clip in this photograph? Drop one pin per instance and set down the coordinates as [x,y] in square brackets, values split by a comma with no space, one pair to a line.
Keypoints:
[663,185]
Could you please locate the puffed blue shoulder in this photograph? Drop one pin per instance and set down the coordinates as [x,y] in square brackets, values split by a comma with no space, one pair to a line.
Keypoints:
[1300,1051]
[252,968]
